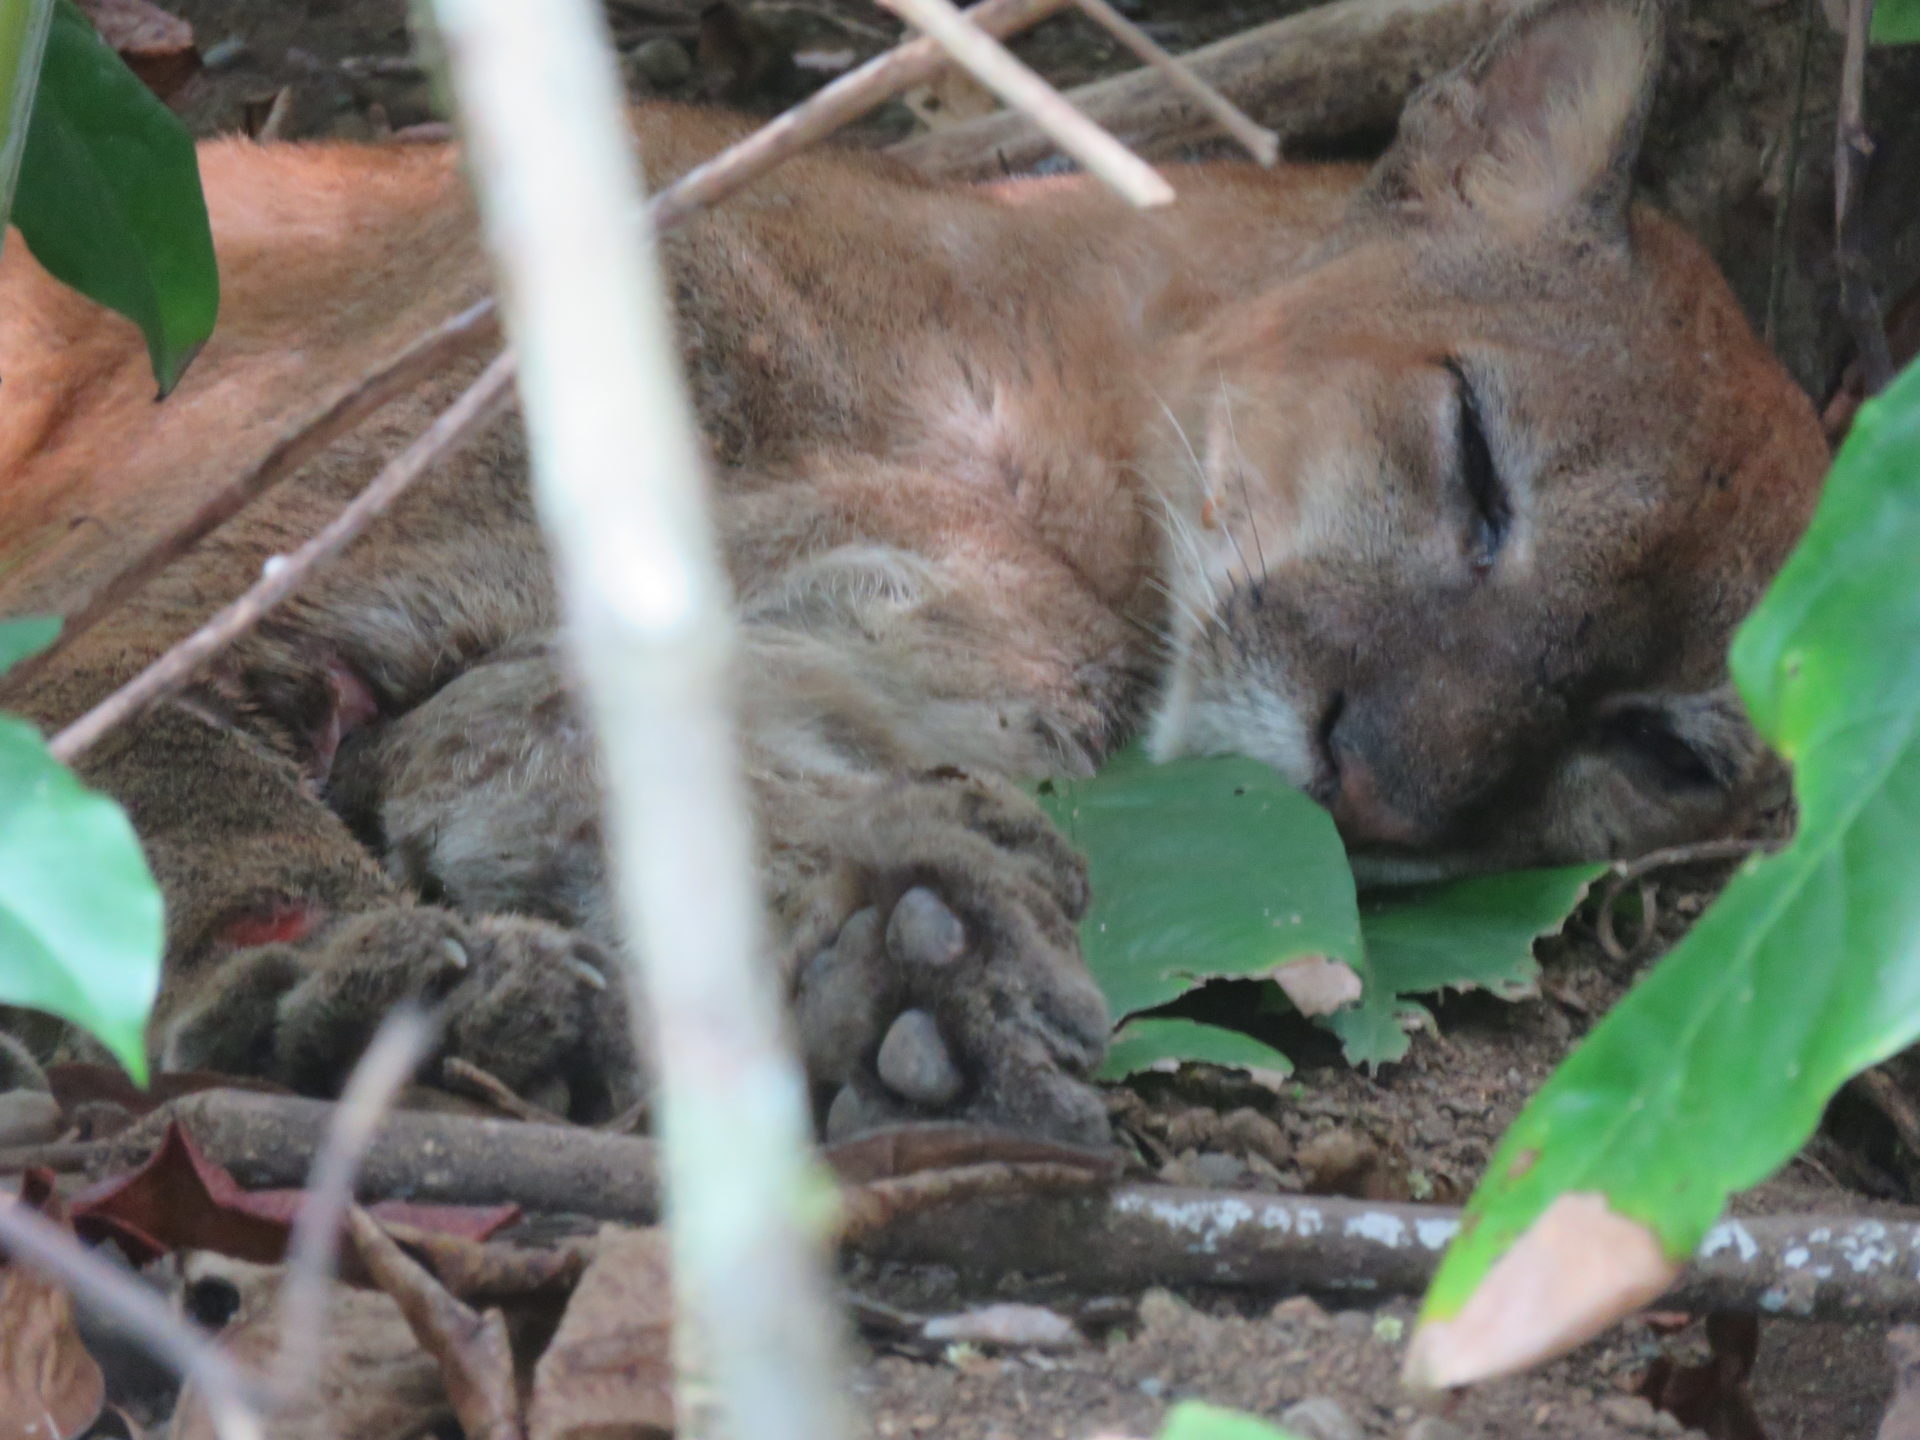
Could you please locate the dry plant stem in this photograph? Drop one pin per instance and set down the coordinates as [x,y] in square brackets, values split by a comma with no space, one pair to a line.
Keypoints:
[619,482]
[835,105]
[706,185]
[286,573]
[234,1402]
[1820,1267]
[395,1052]
[427,356]
[458,1074]
[1336,69]
[1261,143]
[1887,1096]
[1852,147]
[1623,873]
[988,61]
[1790,182]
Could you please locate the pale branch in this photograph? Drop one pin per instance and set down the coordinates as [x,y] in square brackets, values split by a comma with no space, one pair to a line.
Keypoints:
[1337,69]
[618,466]
[990,63]
[1821,1267]
[1258,141]
[284,574]
[387,1064]
[1852,147]
[234,1401]
[846,99]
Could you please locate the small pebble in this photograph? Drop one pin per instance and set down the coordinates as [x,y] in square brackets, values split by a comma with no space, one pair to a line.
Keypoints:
[914,1061]
[224,54]
[1319,1417]
[1432,1427]
[1221,1172]
[1355,1323]
[662,62]
[1298,1310]
[1009,1326]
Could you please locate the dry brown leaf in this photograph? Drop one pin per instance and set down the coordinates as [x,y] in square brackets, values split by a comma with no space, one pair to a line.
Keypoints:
[371,1380]
[475,1358]
[608,1375]
[1578,1268]
[157,46]
[1317,985]
[50,1387]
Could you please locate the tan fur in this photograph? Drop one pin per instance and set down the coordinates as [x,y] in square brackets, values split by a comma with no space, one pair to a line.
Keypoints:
[1005,474]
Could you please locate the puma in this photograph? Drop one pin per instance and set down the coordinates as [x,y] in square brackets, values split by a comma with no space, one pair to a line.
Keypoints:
[1439,486]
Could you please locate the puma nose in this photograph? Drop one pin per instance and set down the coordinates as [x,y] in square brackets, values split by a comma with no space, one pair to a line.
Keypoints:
[1362,814]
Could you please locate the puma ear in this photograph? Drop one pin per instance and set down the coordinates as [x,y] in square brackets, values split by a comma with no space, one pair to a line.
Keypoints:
[1540,126]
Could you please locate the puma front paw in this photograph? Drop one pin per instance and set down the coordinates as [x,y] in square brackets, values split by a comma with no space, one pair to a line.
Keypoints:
[540,1007]
[955,988]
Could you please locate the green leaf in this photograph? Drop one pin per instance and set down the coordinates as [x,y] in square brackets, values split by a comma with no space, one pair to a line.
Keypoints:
[80,918]
[109,196]
[1896,22]
[1712,1071]
[1202,869]
[23,638]
[1462,934]
[1157,1042]
[1196,1420]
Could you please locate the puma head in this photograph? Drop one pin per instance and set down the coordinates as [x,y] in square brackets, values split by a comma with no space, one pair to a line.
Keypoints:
[1465,511]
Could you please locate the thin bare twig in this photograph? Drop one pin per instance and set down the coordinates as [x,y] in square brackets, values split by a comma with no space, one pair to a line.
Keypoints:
[700,188]
[234,1401]
[1333,69]
[460,1074]
[1852,147]
[1790,182]
[619,481]
[388,1062]
[993,66]
[1626,872]
[845,100]
[1887,1096]
[285,574]
[1261,143]
[426,356]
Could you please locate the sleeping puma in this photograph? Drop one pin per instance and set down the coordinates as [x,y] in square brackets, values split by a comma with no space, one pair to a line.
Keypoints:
[1439,487]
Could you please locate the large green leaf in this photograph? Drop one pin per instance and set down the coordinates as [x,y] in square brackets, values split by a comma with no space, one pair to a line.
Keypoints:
[1155,1042]
[1197,1420]
[27,636]
[1896,22]
[1202,869]
[80,917]
[1476,933]
[1709,1074]
[109,196]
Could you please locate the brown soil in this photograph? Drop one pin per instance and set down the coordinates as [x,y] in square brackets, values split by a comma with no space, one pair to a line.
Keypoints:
[1421,1130]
